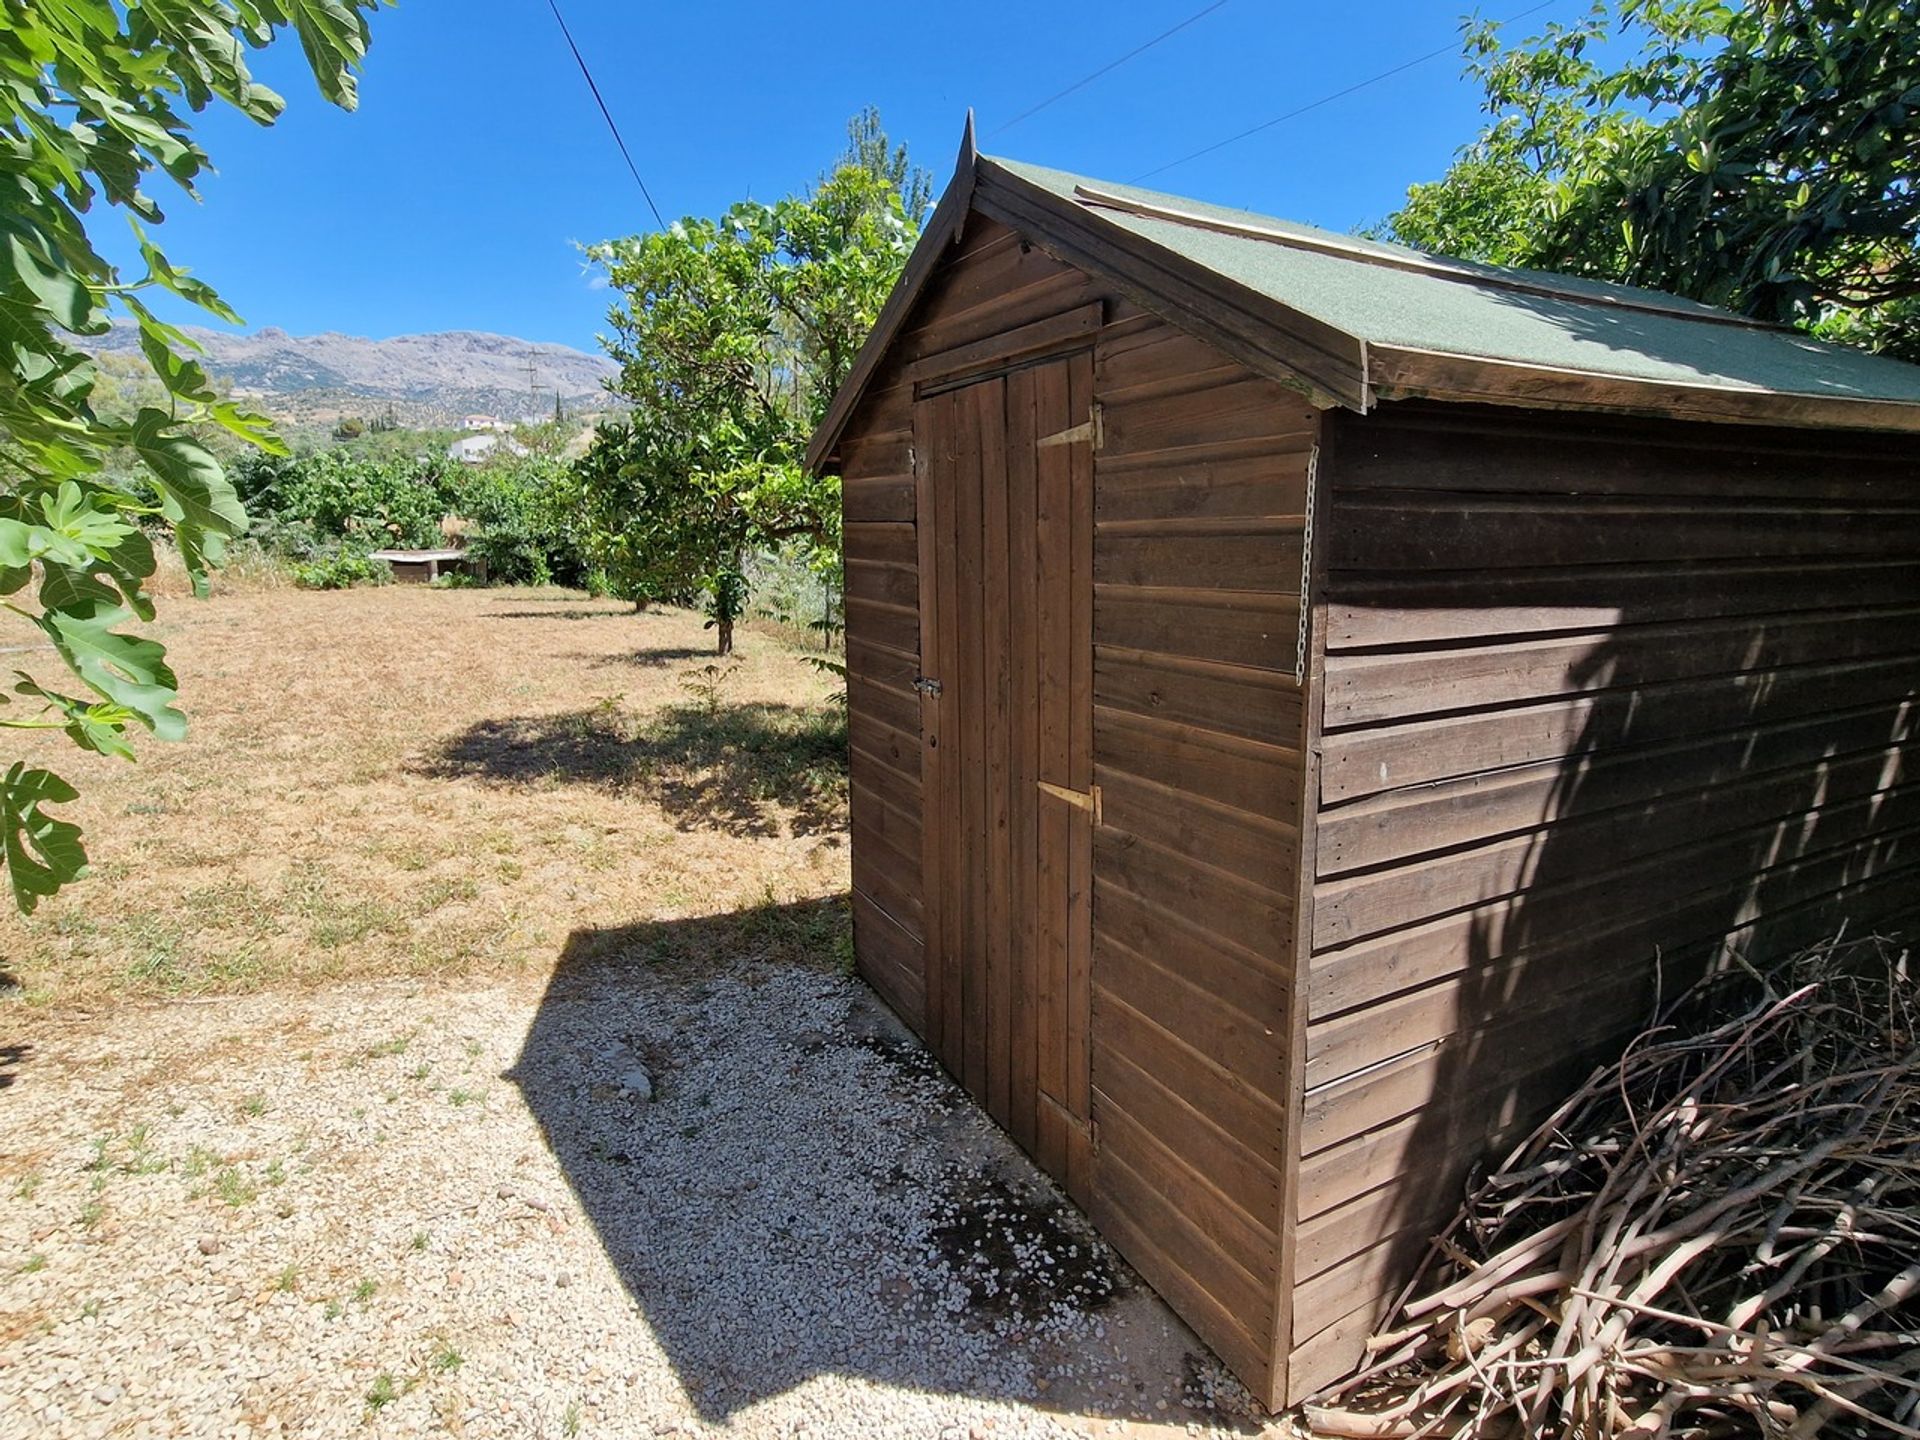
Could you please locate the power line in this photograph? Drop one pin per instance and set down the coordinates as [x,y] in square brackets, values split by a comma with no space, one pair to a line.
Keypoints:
[1326,99]
[581,60]
[1110,65]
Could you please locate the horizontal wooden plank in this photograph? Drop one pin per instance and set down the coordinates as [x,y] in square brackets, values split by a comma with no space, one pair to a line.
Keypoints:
[1366,689]
[1249,1240]
[1186,941]
[1485,454]
[898,750]
[897,585]
[1142,1239]
[1245,774]
[893,704]
[1258,849]
[1246,409]
[1391,530]
[1201,1258]
[1234,626]
[1401,824]
[1268,561]
[1219,1028]
[886,876]
[1719,826]
[878,665]
[1633,910]
[890,543]
[1258,921]
[888,498]
[1357,763]
[890,957]
[1371,610]
[1246,1116]
[1263,479]
[1261,705]
[1044,336]
[1039,291]
[892,811]
[897,627]
[1472,1049]
[1251,1183]
[1433,1083]
[1330,1353]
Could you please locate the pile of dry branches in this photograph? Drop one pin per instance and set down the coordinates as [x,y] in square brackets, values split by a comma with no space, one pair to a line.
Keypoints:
[1720,1235]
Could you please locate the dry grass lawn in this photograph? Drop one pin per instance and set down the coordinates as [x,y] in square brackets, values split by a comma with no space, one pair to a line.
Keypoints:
[405,781]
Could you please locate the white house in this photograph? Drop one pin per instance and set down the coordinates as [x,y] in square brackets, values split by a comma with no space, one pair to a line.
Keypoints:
[473,449]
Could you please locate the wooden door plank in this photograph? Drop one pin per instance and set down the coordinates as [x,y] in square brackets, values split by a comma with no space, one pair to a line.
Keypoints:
[1053,621]
[950,819]
[1079,374]
[996,702]
[1024,765]
[930,480]
[974,420]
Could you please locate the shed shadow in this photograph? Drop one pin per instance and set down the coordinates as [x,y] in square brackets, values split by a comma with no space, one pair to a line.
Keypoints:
[749,768]
[806,1193]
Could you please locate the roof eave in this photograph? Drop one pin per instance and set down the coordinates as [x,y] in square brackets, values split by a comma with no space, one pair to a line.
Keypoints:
[1402,373]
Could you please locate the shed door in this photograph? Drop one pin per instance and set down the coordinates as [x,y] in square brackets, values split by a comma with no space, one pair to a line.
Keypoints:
[1005,476]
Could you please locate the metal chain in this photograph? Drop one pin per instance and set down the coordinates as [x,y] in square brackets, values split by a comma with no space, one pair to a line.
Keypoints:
[1306,566]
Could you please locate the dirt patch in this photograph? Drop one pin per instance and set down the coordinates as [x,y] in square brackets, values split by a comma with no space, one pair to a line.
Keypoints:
[1021,1253]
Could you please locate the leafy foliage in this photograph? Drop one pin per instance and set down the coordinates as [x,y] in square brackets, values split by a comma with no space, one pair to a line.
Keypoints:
[732,336]
[305,502]
[92,97]
[325,511]
[522,521]
[1759,155]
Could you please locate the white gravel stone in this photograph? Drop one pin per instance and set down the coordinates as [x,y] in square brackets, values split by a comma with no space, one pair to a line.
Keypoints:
[315,1214]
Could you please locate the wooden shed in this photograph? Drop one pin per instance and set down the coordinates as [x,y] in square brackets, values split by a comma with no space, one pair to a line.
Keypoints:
[1309,699]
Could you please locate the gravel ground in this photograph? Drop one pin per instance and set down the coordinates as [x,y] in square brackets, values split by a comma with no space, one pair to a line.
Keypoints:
[454,1208]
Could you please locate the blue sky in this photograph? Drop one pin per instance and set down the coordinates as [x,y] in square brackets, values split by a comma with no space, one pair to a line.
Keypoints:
[455,197]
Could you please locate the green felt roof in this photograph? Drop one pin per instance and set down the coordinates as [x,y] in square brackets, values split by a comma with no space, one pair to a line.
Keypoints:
[1576,328]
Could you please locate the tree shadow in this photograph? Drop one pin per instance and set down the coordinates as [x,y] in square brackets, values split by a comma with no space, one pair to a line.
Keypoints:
[745,768]
[577,612]
[796,1189]
[1706,784]
[653,658]
[12,1057]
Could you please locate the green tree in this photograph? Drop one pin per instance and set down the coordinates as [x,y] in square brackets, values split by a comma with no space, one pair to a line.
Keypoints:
[94,98]
[870,149]
[732,336]
[1762,156]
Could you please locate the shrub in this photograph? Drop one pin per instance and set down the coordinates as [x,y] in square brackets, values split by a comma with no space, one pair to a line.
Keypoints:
[521,527]
[303,503]
[340,568]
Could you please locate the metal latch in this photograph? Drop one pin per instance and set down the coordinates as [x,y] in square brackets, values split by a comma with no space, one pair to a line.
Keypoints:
[926,685]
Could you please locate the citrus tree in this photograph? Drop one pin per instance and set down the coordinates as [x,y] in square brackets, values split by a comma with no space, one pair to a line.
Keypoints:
[95,101]
[732,336]
[1763,155]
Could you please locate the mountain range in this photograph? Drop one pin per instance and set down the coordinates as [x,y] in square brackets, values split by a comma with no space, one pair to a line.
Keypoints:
[422,380]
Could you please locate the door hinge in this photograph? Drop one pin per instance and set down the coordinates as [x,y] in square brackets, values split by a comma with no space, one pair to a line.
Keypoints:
[926,685]
[1089,431]
[1087,800]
